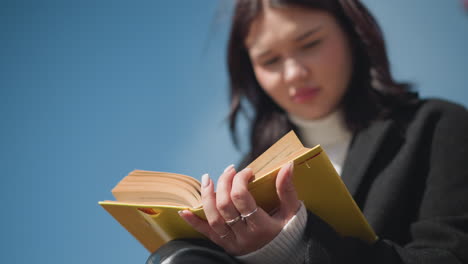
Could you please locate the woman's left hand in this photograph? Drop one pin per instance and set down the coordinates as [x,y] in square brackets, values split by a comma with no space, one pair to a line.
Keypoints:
[234,221]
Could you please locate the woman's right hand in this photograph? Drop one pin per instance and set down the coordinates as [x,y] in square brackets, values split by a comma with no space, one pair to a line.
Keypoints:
[234,221]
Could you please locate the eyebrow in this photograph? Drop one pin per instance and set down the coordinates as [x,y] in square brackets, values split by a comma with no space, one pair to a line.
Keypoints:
[308,33]
[297,39]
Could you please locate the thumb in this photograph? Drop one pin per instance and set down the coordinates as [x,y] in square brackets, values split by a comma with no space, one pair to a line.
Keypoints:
[289,203]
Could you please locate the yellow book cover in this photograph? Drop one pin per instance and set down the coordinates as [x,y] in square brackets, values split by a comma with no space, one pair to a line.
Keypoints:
[148,202]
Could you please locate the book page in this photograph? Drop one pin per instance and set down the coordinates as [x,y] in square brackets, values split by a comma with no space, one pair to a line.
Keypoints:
[161,188]
[284,150]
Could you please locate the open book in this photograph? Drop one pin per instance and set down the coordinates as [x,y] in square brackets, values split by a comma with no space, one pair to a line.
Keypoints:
[148,202]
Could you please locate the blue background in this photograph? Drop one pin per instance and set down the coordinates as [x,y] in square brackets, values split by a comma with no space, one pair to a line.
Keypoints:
[90,90]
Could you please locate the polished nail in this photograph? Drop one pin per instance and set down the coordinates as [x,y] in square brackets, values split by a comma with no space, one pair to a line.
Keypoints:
[180,212]
[205,179]
[247,170]
[229,167]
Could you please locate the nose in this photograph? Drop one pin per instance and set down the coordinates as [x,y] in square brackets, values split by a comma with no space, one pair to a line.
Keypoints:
[295,70]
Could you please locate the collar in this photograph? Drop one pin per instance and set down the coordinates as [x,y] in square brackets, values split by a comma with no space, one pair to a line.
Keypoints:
[329,130]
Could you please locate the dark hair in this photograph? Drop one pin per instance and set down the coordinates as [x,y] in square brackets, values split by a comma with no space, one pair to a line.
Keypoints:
[372,92]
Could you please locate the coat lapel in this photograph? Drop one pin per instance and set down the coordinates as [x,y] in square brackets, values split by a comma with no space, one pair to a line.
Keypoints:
[362,151]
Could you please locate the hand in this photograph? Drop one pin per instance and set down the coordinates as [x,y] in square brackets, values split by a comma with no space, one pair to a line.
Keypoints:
[234,221]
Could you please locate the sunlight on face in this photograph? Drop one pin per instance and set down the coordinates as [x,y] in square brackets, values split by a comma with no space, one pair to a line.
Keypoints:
[301,58]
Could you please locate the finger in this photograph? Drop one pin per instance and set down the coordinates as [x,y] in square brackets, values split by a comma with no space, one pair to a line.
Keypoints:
[203,227]
[223,194]
[245,203]
[289,203]
[223,199]
[214,218]
[198,224]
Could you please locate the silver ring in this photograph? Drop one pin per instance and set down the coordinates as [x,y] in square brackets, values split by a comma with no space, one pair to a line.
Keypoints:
[231,222]
[249,214]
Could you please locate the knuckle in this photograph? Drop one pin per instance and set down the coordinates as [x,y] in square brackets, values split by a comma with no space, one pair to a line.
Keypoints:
[223,205]
[238,195]
[286,187]
[289,188]
[206,194]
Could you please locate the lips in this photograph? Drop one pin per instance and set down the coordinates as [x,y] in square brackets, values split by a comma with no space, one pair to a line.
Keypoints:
[304,95]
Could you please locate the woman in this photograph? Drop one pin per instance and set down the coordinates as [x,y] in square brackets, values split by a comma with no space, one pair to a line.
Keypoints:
[320,67]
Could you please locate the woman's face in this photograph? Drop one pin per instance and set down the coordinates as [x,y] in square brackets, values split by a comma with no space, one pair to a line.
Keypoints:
[301,58]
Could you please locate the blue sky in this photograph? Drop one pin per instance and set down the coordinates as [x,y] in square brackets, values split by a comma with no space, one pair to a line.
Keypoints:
[90,90]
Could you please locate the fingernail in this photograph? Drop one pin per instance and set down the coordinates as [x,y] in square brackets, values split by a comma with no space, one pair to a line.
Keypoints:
[205,179]
[229,167]
[181,212]
[249,173]
[247,169]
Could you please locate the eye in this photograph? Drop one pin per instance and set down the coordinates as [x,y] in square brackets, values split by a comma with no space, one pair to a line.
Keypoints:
[311,44]
[271,61]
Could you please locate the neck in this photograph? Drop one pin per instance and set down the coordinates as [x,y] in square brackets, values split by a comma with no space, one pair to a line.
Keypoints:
[325,131]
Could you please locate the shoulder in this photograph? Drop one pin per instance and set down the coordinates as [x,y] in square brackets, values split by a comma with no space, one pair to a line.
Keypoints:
[440,106]
[430,112]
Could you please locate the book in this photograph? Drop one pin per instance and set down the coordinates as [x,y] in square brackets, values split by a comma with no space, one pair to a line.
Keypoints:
[147,203]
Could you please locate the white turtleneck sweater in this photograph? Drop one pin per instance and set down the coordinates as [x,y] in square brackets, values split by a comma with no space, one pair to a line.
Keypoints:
[334,137]
[330,132]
